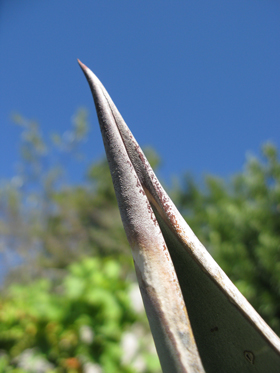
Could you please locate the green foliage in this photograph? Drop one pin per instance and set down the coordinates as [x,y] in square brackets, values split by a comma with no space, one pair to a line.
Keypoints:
[79,321]
[239,223]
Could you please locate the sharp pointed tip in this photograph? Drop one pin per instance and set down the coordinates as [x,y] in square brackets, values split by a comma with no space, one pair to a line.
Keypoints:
[83,66]
[88,73]
[96,88]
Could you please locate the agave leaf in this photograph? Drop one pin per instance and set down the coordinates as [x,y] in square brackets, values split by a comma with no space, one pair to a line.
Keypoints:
[199,320]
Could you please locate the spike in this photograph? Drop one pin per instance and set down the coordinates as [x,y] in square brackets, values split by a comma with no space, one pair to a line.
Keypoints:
[199,320]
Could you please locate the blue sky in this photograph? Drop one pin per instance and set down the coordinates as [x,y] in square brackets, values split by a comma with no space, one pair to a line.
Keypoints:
[197,80]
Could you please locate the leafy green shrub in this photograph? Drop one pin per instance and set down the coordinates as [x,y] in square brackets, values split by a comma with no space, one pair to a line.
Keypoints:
[66,326]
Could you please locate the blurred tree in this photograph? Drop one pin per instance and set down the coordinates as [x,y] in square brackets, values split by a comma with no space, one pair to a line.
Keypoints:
[27,200]
[239,223]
